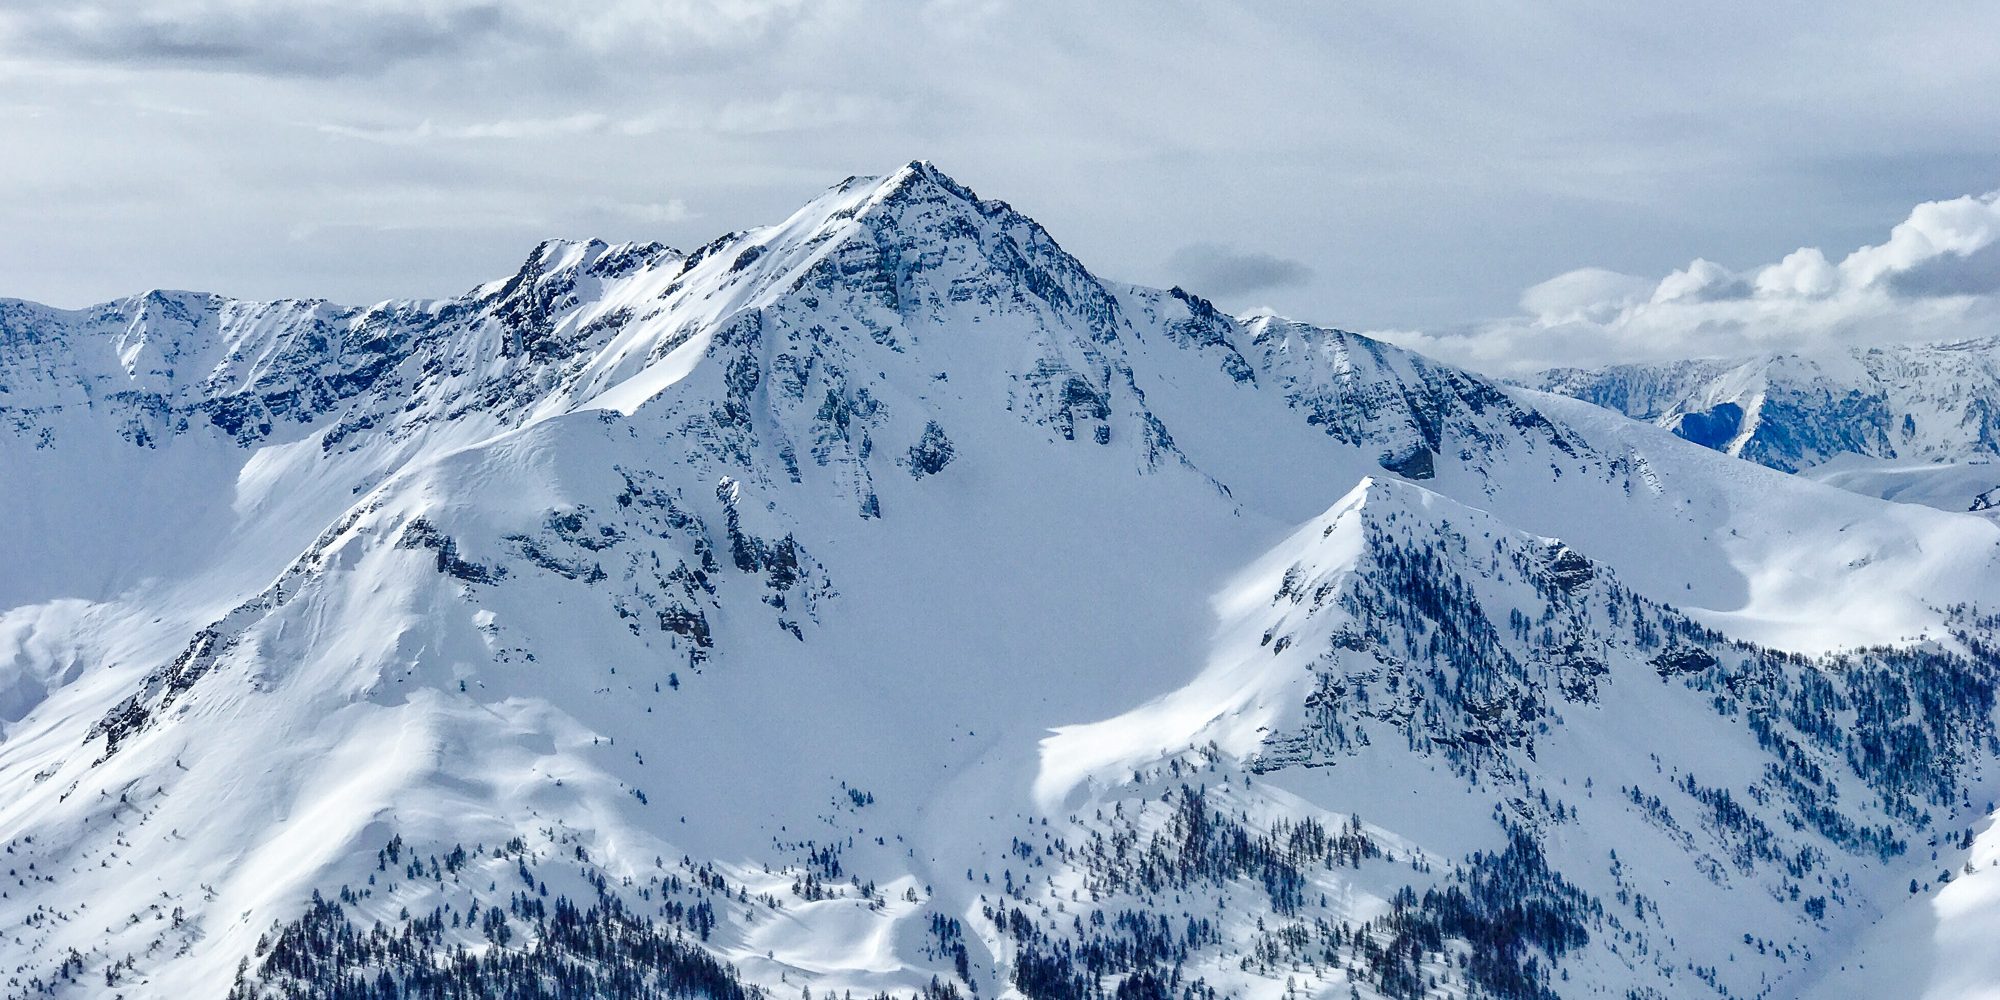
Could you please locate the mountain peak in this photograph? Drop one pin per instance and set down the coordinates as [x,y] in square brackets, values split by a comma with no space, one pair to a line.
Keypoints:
[917,188]
[920,179]
[914,179]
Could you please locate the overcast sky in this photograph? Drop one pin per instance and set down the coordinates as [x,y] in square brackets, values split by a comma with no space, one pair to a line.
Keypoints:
[1425,168]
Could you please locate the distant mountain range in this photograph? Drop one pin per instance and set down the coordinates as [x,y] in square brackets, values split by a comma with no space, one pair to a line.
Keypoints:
[1914,422]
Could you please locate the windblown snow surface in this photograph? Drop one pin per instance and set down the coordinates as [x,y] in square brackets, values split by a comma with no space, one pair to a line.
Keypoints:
[882,602]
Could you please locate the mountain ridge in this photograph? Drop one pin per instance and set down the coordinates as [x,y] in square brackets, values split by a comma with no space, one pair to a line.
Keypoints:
[963,623]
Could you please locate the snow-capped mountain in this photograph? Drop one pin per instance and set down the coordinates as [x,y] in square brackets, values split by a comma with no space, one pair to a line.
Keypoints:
[883,602]
[1918,423]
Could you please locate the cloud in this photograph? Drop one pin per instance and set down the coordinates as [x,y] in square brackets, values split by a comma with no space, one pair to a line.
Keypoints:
[1976,272]
[1701,281]
[790,111]
[1936,277]
[340,38]
[310,39]
[653,212]
[1223,271]
[1588,294]
[512,128]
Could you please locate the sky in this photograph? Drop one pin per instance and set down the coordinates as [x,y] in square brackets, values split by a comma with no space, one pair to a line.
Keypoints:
[1509,185]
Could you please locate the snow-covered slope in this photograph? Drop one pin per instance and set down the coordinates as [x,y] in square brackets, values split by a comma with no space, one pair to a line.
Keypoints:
[881,601]
[1925,414]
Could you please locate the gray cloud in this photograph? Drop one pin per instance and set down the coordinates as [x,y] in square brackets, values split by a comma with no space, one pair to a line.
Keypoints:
[361,38]
[278,39]
[1223,271]
[1950,274]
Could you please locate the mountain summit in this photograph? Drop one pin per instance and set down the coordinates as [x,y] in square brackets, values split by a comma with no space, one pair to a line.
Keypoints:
[882,602]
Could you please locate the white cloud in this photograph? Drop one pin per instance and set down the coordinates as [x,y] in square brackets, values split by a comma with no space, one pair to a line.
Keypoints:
[1587,294]
[655,212]
[790,111]
[1700,281]
[1936,277]
[1804,273]
[515,128]
[1959,227]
